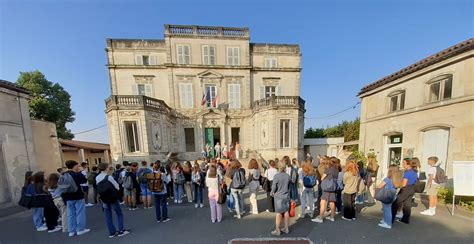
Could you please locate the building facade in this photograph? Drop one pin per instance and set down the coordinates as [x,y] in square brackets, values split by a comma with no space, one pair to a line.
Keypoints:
[203,85]
[423,110]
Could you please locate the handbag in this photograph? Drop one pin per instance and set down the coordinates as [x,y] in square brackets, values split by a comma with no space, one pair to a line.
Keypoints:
[385,195]
[266,186]
[25,199]
[292,209]
[419,186]
[422,176]
[360,186]
[43,200]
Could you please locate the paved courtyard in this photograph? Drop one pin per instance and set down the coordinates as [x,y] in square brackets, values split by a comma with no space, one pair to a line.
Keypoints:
[190,225]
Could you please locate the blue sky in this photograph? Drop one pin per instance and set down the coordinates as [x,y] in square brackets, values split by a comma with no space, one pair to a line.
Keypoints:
[345,44]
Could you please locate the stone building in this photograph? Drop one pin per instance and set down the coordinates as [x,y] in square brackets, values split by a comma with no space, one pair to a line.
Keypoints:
[202,85]
[423,110]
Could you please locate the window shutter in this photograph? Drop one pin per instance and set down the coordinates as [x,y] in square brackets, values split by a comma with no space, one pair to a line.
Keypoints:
[182,96]
[205,54]
[187,55]
[212,55]
[190,95]
[139,60]
[179,53]
[274,63]
[134,89]
[279,91]
[148,90]
[262,92]
[152,60]
[237,95]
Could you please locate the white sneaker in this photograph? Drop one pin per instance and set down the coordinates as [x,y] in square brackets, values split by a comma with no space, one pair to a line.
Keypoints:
[196,205]
[317,220]
[385,225]
[175,200]
[89,205]
[201,205]
[428,212]
[82,232]
[57,228]
[42,228]
[71,234]
[330,218]
[399,215]
[344,218]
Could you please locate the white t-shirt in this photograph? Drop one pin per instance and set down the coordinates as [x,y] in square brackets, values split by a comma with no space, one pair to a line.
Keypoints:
[432,171]
[84,172]
[270,173]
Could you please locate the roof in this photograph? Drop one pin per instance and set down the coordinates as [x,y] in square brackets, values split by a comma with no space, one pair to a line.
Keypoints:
[452,51]
[12,86]
[84,144]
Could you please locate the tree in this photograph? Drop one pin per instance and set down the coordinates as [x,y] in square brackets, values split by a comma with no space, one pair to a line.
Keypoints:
[49,101]
[347,129]
[314,133]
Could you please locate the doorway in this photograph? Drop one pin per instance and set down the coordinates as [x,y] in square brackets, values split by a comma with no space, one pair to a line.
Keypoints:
[235,135]
[393,151]
[435,143]
[211,137]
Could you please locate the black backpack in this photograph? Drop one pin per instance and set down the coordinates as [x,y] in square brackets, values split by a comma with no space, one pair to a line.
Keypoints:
[107,191]
[238,179]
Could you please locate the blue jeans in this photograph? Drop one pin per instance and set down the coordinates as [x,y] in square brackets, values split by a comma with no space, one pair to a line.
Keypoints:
[76,215]
[338,200]
[178,192]
[387,213]
[198,193]
[161,209]
[38,216]
[307,192]
[239,200]
[107,208]
[144,191]
[293,192]
[230,200]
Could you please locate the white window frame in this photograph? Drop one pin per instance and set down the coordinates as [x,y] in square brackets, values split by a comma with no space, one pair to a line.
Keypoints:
[401,96]
[441,80]
[186,97]
[283,141]
[139,60]
[232,58]
[182,57]
[234,96]
[135,135]
[271,63]
[207,58]
[148,89]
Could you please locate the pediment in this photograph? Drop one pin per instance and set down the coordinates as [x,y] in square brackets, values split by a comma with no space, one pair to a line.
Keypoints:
[210,74]
[211,114]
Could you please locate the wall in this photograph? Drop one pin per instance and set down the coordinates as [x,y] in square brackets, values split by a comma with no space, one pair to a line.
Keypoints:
[46,144]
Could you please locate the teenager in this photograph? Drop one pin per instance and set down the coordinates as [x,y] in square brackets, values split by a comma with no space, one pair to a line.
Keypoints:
[308,177]
[56,193]
[361,198]
[350,179]
[217,148]
[178,182]
[91,180]
[157,182]
[238,150]
[432,186]
[213,183]
[76,211]
[224,151]
[254,184]
[292,172]
[111,203]
[51,213]
[116,175]
[187,172]
[198,185]
[281,194]
[392,182]
[340,187]
[237,175]
[145,193]
[330,174]
[38,213]
[270,174]
[404,197]
[372,171]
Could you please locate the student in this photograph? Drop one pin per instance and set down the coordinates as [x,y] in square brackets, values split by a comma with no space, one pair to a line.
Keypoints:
[51,213]
[85,186]
[76,211]
[372,170]
[157,182]
[281,194]
[217,148]
[110,201]
[197,186]
[330,174]
[270,174]
[392,182]
[254,184]
[187,172]
[56,193]
[309,181]
[116,175]
[340,187]
[292,172]
[136,186]
[38,213]
[145,193]
[224,150]
[404,197]
[213,183]
[237,174]
[432,186]
[123,175]
[93,183]
[360,198]
[238,150]
[178,182]
[350,179]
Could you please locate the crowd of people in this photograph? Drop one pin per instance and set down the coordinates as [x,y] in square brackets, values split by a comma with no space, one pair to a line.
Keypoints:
[323,187]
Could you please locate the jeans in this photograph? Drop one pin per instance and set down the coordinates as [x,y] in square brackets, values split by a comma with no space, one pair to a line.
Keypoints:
[307,194]
[107,208]
[178,192]
[293,192]
[76,215]
[216,209]
[230,200]
[188,191]
[239,200]
[38,215]
[320,193]
[338,200]
[349,205]
[144,191]
[161,209]
[387,213]
[198,193]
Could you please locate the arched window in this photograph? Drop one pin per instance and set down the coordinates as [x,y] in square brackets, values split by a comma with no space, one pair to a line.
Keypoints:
[440,88]
[397,100]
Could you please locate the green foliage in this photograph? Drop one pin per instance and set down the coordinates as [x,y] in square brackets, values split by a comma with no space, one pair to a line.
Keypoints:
[314,133]
[49,101]
[347,129]
[360,156]
[446,194]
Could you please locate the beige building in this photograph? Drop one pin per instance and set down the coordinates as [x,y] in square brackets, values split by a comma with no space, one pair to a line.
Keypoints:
[84,151]
[202,85]
[423,110]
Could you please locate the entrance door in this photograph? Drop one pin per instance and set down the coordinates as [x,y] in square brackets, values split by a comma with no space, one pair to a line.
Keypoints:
[393,151]
[235,135]
[435,143]
[212,136]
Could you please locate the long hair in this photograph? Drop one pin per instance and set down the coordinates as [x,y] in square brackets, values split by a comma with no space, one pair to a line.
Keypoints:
[286,160]
[53,180]
[372,163]
[212,172]
[307,168]
[351,166]
[253,164]
[395,175]
[28,179]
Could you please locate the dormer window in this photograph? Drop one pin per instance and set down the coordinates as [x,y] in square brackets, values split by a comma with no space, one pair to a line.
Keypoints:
[441,88]
[397,101]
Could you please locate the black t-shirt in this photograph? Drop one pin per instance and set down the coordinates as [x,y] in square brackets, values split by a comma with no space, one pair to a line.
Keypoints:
[331,172]
[187,176]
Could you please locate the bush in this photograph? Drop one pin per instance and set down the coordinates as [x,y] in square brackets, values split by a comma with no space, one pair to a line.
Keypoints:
[446,194]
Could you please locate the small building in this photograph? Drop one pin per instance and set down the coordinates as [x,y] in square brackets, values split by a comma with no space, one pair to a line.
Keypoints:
[323,146]
[83,151]
[425,109]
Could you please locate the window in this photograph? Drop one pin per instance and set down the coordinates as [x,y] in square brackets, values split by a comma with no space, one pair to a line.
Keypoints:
[397,101]
[208,55]
[142,90]
[189,139]
[234,96]
[233,55]
[270,63]
[441,88]
[270,91]
[184,54]
[186,95]
[210,92]
[145,60]
[284,133]
[131,132]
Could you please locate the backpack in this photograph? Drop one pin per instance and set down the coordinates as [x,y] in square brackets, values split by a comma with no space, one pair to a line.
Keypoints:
[116,176]
[91,178]
[127,181]
[361,185]
[293,175]
[179,178]
[440,176]
[155,183]
[67,184]
[142,176]
[309,181]
[238,180]
[107,191]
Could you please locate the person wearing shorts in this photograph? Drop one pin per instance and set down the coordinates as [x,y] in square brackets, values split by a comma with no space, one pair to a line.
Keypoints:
[432,187]
[145,192]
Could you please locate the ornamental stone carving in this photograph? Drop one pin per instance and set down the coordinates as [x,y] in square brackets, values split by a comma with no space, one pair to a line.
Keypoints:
[264,133]
[284,112]
[211,124]
[271,81]
[129,113]
[144,79]
[156,137]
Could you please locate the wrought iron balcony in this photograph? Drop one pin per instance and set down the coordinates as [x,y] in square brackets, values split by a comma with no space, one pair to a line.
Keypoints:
[135,102]
[279,101]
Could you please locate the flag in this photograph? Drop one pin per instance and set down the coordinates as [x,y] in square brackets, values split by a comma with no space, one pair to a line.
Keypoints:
[214,102]
[203,100]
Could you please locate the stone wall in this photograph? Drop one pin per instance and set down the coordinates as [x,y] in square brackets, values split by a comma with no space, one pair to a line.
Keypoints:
[47,149]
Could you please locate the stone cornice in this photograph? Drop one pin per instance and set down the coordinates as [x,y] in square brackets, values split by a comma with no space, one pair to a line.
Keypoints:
[198,66]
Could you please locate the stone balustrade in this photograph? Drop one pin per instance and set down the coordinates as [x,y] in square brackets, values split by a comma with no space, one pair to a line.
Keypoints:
[135,102]
[209,31]
[279,101]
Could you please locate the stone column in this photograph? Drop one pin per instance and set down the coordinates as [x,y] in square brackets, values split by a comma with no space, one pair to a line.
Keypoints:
[106,156]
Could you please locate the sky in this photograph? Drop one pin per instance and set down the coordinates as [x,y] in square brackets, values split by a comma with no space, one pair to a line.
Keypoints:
[345,44]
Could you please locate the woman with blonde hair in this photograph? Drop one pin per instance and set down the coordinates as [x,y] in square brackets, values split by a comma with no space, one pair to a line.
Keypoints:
[309,181]
[237,176]
[330,175]
[254,184]
[392,182]
[213,184]
[281,195]
[350,179]
[372,170]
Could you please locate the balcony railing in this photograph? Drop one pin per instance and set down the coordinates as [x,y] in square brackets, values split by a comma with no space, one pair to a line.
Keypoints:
[135,102]
[279,101]
[214,31]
